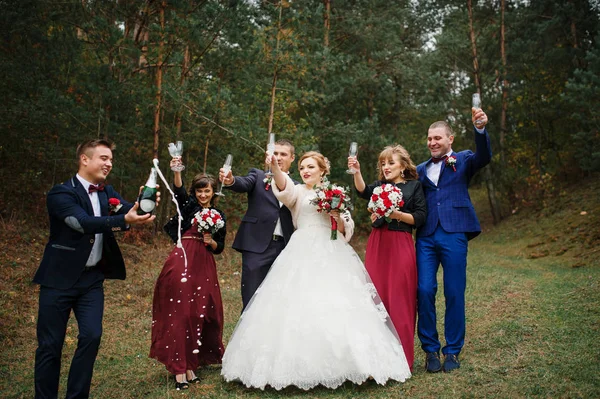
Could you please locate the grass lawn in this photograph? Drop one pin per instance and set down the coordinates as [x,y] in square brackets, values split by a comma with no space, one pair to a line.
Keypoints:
[533,315]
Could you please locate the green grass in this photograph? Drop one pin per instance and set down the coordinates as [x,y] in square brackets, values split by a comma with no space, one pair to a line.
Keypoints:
[533,316]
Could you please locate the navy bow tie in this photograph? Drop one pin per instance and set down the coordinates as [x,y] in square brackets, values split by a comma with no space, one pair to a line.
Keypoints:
[436,160]
[93,188]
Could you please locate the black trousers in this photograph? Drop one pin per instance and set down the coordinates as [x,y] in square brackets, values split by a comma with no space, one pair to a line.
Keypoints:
[86,300]
[255,268]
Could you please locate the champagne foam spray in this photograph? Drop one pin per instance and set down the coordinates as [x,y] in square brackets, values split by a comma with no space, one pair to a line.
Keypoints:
[180,218]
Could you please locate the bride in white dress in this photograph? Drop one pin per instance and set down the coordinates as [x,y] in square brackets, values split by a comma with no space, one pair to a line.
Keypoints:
[316,318]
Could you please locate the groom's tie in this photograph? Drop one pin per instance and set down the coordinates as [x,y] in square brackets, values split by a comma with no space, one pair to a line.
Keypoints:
[436,160]
[93,188]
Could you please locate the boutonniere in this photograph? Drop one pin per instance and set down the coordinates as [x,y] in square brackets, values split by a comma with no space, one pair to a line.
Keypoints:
[114,205]
[451,161]
[267,180]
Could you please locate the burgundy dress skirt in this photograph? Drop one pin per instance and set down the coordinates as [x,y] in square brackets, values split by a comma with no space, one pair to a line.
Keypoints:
[187,317]
[391,262]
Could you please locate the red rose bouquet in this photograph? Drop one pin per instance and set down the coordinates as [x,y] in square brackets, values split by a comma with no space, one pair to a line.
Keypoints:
[385,199]
[332,197]
[208,221]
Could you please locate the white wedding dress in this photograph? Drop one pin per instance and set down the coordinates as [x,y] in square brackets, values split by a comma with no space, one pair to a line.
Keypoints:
[316,318]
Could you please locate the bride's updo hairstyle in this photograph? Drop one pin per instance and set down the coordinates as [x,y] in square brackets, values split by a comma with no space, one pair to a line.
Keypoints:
[322,162]
[407,165]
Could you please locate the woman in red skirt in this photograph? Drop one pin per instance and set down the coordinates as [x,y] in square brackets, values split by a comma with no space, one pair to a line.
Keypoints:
[390,258]
[187,311]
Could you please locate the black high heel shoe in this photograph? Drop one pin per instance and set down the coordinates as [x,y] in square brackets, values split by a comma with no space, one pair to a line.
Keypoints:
[181,385]
[192,377]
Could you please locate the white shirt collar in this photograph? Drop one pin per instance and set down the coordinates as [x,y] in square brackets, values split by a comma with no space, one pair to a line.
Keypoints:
[86,184]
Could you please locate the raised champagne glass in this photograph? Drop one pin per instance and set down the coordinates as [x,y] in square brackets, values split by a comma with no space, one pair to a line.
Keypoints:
[352,152]
[226,169]
[476,103]
[176,150]
[270,150]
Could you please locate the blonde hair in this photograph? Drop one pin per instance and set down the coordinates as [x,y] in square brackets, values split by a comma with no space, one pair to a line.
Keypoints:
[410,170]
[322,162]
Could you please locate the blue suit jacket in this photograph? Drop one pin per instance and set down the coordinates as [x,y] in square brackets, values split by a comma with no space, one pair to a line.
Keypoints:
[449,203]
[256,230]
[72,233]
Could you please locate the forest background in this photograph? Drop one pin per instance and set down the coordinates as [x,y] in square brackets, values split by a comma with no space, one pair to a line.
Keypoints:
[221,75]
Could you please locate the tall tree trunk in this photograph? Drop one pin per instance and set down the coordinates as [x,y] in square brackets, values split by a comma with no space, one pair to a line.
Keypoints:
[510,192]
[327,21]
[573,25]
[141,34]
[503,127]
[473,46]
[397,105]
[487,173]
[185,63]
[159,73]
[166,206]
[275,70]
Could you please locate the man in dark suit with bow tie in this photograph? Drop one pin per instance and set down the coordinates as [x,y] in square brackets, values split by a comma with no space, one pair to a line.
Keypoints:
[451,222]
[81,252]
[267,225]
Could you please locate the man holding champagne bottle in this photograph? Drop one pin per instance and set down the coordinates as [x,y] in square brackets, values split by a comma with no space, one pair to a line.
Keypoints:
[81,252]
[451,222]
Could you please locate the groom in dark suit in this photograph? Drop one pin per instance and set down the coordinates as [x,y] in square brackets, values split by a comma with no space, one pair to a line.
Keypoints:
[451,222]
[81,252]
[267,225]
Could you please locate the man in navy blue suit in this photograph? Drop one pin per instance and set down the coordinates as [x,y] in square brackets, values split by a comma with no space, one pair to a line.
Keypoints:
[81,252]
[267,225]
[451,222]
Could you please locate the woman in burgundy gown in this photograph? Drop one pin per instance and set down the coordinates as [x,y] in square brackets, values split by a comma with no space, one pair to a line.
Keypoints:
[187,311]
[390,258]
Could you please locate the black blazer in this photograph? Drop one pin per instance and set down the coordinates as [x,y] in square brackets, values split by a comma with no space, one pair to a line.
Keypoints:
[256,230]
[73,227]
[414,203]
[188,205]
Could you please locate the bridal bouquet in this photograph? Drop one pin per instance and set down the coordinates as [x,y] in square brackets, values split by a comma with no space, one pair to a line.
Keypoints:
[385,199]
[332,197]
[208,220]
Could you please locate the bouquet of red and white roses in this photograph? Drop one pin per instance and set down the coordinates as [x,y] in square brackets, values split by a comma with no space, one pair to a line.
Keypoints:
[208,221]
[385,199]
[332,197]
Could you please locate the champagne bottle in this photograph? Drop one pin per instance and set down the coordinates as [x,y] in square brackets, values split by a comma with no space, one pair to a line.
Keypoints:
[147,198]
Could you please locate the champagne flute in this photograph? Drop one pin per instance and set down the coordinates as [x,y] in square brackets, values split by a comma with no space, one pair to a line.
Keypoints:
[476,103]
[270,150]
[226,169]
[176,150]
[352,152]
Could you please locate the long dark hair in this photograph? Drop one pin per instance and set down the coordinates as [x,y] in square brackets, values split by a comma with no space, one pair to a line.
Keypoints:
[202,180]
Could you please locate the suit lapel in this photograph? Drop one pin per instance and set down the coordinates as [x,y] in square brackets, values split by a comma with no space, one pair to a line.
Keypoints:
[453,154]
[82,194]
[103,197]
[426,178]
[442,169]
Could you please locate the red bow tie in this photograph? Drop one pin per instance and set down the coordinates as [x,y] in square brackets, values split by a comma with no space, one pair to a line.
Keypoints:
[93,188]
[436,160]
